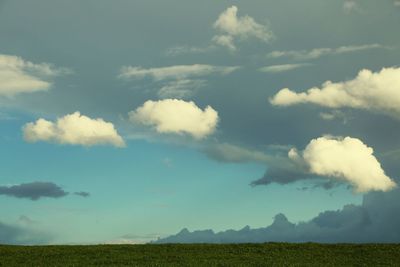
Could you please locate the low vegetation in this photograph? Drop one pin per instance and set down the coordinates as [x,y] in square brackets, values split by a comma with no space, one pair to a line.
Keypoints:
[271,254]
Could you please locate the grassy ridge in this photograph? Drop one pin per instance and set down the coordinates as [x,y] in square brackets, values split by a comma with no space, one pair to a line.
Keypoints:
[271,254]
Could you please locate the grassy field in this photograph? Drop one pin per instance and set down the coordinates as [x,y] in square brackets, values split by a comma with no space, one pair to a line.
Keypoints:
[272,254]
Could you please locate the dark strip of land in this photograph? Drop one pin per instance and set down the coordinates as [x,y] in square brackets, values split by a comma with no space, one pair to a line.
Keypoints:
[270,254]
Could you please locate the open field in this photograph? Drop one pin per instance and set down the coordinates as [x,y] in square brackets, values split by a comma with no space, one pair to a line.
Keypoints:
[271,254]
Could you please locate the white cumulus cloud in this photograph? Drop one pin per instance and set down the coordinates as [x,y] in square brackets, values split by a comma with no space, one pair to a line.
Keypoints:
[20,76]
[378,91]
[73,129]
[347,159]
[231,26]
[176,116]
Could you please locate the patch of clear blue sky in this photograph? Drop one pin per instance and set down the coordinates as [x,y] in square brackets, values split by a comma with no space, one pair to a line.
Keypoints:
[134,191]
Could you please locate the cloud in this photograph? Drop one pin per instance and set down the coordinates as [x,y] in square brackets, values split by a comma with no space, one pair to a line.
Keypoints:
[281,68]
[320,52]
[335,159]
[334,115]
[231,153]
[396,3]
[225,40]
[183,49]
[376,220]
[230,27]
[73,129]
[19,76]
[176,116]
[347,159]
[33,191]
[82,194]
[36,190]
[174,72]
[180,88]
[179,81]
[377,91]
[350,6]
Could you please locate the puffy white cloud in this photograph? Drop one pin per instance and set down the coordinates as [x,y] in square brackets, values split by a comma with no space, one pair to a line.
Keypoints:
[20,76]
[347,159]
[176,116]
[174,72]
[378,91]
[73,129]
[281,68]
[231,26]
[320,52]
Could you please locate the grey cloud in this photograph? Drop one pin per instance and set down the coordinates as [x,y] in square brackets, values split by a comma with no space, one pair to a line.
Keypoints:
[36,190]
[375,220]
[281,175]
[281,170]
[33,191]
[226,152]
[82,194]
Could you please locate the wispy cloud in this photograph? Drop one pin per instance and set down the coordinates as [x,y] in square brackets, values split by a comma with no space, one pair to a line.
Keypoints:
[320,52]
[282,68]
[19,76]
[174,72]
[179,81]
[350,6]
[226,152]
[184,49]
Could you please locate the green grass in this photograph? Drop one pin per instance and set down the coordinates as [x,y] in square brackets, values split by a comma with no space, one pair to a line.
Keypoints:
[271,254]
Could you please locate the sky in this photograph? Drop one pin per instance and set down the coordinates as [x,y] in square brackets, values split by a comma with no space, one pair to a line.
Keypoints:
[127,121]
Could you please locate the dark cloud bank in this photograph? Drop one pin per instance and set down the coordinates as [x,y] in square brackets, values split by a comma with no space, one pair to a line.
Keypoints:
[37,190]
[377,219]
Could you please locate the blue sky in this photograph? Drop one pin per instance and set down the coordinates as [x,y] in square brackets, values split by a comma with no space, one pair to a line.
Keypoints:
[125,121]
